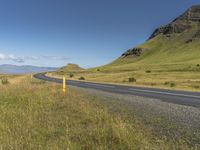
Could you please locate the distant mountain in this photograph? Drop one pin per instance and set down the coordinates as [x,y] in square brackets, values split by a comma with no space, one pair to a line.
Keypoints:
[70,68]
[14,69]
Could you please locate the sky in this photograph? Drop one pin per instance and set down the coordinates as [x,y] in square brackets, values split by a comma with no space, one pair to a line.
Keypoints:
[86,32]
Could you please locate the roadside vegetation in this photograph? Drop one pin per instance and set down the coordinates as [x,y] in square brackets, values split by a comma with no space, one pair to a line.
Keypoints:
[38,115]
[169,76]
[4,80]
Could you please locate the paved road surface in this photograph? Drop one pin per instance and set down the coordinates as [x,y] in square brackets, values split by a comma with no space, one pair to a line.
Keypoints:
[170,96]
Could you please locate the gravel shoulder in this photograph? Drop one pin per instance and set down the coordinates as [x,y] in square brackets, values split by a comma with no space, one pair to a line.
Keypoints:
[166,119]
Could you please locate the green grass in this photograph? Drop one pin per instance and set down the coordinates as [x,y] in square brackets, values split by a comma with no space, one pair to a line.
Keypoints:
[37,115]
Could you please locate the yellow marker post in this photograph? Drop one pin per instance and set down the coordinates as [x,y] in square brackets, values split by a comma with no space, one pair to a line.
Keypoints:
[64,84]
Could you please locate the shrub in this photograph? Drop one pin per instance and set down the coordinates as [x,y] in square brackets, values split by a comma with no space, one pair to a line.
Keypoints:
[196,86]
[171,84]
[152,84]
[148,71]
[198,65]
[98,69]
[61,72]
[81,78]
[123,80]
[131,79]
[4,81]
[71,75]
[166,83]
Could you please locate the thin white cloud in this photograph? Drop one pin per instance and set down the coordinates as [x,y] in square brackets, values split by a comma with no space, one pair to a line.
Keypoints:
[2,56]
[11,57]
[55,57]
[22,59]
[15,58]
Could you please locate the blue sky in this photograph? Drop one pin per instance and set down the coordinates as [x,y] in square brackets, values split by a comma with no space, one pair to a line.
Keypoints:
[86,32]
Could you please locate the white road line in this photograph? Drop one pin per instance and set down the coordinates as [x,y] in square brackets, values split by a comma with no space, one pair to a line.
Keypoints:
[166,93]
[109,86]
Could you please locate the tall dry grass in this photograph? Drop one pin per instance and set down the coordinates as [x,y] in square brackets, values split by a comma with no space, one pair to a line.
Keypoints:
[37,115]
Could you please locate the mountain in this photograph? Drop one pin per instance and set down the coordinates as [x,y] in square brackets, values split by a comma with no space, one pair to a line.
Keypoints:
[175,43]
[13,69]
[70,68]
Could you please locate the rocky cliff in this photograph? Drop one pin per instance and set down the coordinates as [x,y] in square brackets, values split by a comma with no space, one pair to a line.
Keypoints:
[188,22]
[180,24]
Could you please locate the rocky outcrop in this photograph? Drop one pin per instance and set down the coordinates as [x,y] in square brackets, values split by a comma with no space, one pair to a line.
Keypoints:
[197,34]
[194,37]
[180,24]
[192,14]
[169,29]
[133,52]
[185,22]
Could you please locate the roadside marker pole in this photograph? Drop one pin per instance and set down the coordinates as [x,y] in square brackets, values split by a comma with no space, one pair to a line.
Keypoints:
[64,84]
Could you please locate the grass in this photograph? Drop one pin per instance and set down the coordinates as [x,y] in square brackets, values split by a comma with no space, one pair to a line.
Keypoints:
[37,115]
[184,80]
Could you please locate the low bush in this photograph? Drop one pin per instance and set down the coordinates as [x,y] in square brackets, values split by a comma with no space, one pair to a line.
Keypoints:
[171,84]
[196,86]
[61,72]
[123,80]
[4,81]
[71,75]
[131,79]
[81,78]
[166,83]
[148,71]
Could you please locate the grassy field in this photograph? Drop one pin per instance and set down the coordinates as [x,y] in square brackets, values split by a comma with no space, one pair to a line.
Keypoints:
[168,79]
[9,76]
[37,115]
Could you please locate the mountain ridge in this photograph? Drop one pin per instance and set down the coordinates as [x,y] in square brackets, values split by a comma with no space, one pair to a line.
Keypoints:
[23,69]
[182,33]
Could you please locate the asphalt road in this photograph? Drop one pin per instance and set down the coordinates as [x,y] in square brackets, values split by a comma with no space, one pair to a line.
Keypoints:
[169,96]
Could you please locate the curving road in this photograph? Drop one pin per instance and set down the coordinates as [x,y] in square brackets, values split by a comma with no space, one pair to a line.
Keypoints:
[170,96]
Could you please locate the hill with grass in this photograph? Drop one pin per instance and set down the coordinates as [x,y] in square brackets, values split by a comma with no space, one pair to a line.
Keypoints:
[70,68]
[169,58]
[173,44]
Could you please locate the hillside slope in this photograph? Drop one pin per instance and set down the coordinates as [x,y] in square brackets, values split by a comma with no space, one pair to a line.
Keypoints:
[175,43]
[70,68]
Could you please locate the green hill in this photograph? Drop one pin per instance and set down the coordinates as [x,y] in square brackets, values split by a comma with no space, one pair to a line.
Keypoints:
[70,68]
[175,44]
[170,58]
